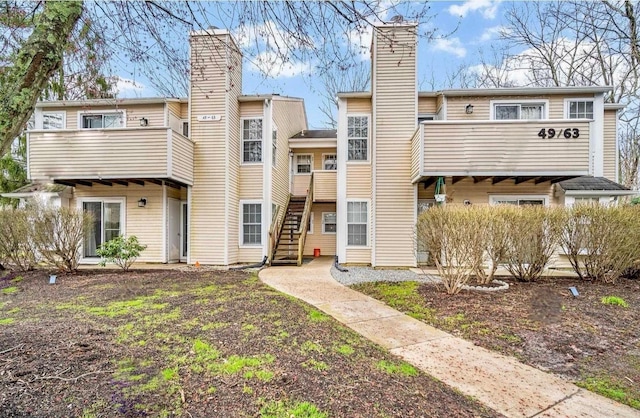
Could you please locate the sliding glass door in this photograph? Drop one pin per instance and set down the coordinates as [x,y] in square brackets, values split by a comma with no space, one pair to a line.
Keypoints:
[106,224]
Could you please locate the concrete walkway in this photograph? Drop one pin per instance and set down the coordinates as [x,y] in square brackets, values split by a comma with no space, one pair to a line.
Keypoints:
[500,382]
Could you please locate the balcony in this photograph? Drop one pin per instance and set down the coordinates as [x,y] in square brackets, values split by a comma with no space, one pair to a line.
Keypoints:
[546,149]
[324,185]
[85,156]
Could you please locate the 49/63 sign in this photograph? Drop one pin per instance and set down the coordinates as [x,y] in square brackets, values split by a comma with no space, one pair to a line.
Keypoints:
[568,133]
[208,118]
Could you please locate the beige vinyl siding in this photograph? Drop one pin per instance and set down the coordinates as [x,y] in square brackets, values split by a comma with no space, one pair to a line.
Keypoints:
[175,117]
[181,158]
[427,105]
[482,105]
[359,180]
[300,184]
[145,223]
[394,89]
[233,159]
[416,147]
[324,186]
[251,181]
[359,106]
[250,174]
[253,109]
[105,153]
[184,110]
[478,193]
[358,256]
[504,147]
[610,152]
[289,117]
[325,242]
[440,104]
[214,65]
[301,181]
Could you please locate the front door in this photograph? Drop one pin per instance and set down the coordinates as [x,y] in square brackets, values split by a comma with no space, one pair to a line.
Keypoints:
[106,224]
[173,230]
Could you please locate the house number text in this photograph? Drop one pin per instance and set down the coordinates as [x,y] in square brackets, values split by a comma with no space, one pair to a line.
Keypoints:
[552,133]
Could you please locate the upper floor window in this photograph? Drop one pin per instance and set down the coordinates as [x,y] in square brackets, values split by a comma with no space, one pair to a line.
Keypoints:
[357,138]
[422,118]
[515,111]
[102,120]
[329,162]
[252,140]
[185,129]
[53,120]
[303,163]
[580,109]
[274,145]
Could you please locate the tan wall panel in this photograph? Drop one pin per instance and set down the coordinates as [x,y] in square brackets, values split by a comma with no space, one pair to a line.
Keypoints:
[252,109]
[324,186]
[181,157]
[427,105]
[251,181]
[249,255]
[610,117]
[358,180]
[301,184]
[358,256]
[233,162]
[358,105]
[326,242]
[145,223]
[504,147]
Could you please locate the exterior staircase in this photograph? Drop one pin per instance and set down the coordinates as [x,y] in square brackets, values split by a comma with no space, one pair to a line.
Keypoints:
[286,249]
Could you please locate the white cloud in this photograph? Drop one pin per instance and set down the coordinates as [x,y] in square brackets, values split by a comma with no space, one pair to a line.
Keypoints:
[125,87]
[360,41]
[450,46]
[273,65]
[492,32]
[488,8]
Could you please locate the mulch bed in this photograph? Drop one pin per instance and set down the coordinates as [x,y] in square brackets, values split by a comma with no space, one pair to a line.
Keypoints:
[103,343]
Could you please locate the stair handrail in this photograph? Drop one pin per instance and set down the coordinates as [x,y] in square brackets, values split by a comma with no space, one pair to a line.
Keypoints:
[306,213]
[275,230]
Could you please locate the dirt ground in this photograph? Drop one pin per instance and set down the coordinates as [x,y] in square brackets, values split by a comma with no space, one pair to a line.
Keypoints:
[197,344]
[579,338]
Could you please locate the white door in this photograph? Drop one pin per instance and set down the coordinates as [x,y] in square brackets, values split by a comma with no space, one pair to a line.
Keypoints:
[173,230]
[184,234]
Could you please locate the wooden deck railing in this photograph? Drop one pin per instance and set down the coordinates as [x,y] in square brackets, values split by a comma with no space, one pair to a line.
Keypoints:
[304,223]
[275,230]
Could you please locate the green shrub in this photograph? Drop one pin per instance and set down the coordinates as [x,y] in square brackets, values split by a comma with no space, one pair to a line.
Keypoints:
[120,251]
[494,240]
[615,301]
[532,237]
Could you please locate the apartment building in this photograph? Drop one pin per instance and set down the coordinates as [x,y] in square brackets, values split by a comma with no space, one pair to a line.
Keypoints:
[224,178]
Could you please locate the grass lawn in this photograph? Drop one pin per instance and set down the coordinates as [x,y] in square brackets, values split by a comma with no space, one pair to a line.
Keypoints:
[592,340]
[196,344]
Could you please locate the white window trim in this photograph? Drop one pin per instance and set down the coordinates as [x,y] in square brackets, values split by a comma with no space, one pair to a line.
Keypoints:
[53,112]
[346,230]
[123,221]
[182,123]
[568,100]
[242,161]
[323,224]
[295,164]
[241,243]
[323,157]
[369,140]
[102,112]
[544,102]
[494,198]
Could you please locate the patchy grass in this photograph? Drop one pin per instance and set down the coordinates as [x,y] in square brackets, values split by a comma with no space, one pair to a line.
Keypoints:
[402,368]
[203,343]
[606,387]
[10,290]
[615,301]
[400,295]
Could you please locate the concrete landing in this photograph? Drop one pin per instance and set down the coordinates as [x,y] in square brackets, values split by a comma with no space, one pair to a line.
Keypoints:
[500,382]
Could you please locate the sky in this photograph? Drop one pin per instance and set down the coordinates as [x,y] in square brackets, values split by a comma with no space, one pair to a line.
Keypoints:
[472,25]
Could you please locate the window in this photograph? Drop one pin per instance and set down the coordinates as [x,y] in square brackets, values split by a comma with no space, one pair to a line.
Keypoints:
[328,222]
[422,118]
[274,145]
[580,109]
[252,140]
[357,138]
[185,129]
[329,162]
[53,120]
[518,200]
[303,163]
[251,223]
[357,220]
[106,224]
[102,120]
[515,111]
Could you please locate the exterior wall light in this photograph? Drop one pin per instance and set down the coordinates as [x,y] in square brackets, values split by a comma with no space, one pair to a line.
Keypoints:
[142,202]
[144,122]
[469,109]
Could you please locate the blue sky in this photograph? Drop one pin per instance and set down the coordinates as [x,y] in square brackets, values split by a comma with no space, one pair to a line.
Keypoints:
[477,23]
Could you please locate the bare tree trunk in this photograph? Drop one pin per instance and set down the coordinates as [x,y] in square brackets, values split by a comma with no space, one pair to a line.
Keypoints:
[32,65]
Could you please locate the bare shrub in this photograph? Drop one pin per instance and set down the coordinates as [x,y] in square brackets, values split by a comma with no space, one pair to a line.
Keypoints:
[453,236]
[533,235]
[17,249]
[495,220]
[58,234]
[601,241]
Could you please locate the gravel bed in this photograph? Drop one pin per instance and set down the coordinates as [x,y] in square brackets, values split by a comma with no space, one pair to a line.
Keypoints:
[357,275]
